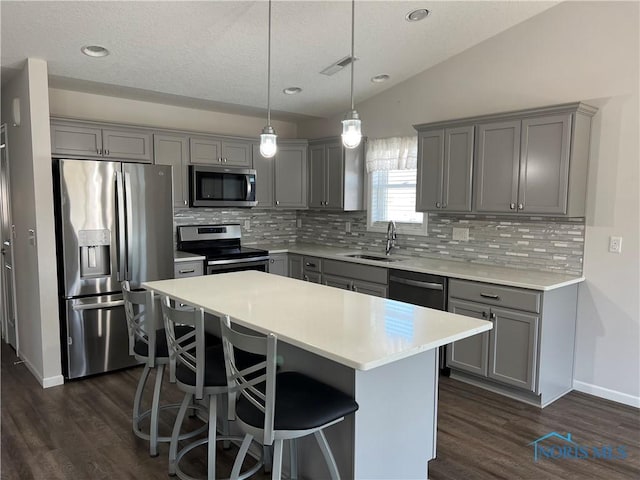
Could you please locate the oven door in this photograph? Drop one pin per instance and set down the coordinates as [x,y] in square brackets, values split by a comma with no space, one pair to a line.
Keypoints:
[239,265]
[222,187]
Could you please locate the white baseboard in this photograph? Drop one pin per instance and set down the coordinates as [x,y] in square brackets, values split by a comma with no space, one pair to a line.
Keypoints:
[44,382]
[607,394]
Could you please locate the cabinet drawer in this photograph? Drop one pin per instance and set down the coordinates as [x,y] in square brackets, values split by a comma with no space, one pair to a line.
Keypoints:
[188,269]
[489,294]
[355,271]
[312,264]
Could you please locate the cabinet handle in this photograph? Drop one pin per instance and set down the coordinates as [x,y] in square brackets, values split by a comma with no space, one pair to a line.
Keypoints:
[520,206]
[484,314]
[272,261]
[185,202]
[99,151]
[444,205]
[307,264]
[224,160]
[488,295]
[492,316]
[187,271]
[512,206]
[438,205]
[277,202]
[305,278]
[219,159]
[354,288]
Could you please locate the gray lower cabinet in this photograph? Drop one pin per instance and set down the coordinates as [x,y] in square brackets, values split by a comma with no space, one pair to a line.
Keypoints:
[529,351]
[220,151]
[445,161]
[188,269]
[279,264]
[365,279]
[312,269]
[102,141]
[336,175]
[282,180]
[173,150]
[295,266]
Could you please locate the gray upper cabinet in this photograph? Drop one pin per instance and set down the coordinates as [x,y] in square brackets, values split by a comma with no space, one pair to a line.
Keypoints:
[282,180]
[92,140]
[220,151]
[336,175]
[445,165]
[173,150]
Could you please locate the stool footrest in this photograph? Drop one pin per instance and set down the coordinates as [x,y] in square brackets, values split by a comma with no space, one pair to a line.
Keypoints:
[146,436]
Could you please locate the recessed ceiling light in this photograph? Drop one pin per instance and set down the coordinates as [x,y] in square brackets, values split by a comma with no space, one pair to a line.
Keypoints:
[94,51]
[291,90]
[417,15]
[380,78]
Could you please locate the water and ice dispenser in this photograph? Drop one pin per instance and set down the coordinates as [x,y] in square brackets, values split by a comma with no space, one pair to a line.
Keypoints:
[95,256]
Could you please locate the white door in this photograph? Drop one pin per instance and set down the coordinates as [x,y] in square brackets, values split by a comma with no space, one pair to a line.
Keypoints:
[7,274]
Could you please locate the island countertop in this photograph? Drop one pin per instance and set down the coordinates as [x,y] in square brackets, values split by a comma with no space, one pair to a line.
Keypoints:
[356,330]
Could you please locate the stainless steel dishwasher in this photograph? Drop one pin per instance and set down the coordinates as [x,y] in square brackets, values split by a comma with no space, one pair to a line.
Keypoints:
[421,289]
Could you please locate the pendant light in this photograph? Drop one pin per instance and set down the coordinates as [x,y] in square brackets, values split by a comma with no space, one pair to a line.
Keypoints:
[268,144]
[351,125]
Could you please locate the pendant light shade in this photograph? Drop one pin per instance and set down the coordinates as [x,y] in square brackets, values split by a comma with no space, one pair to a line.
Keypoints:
[351,125]
[268,144]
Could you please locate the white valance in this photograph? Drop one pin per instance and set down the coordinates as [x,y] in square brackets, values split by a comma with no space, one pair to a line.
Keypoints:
[395,153]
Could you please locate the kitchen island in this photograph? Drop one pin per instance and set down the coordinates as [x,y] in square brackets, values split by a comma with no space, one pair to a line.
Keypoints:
[382,352]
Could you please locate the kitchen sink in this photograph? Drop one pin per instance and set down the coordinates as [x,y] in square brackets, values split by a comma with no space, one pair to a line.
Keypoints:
[379,258]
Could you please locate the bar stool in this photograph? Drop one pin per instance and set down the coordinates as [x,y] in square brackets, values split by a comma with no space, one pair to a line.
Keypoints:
[148,344]
[273,406]
[200,373]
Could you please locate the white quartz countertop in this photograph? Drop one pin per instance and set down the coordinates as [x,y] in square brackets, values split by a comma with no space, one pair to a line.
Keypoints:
[353,329]
[513,277]
[179,256]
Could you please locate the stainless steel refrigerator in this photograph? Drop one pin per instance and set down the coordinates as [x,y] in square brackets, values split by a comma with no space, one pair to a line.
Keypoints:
[114,222]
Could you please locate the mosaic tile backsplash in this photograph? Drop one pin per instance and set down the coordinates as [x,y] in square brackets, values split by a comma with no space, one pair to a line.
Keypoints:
[539,243]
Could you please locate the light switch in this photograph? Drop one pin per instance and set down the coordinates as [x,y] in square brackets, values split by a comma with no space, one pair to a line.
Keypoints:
[299,223]
[615,244]
[247,225]
[347,227]
[461,234]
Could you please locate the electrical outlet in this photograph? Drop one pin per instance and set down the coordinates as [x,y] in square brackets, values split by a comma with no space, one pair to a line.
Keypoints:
[461,234]
[347,227]
[247,225]
[615,244]
[299,223]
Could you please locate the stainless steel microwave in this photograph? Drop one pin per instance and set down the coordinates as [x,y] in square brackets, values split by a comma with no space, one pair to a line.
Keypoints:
[213,186]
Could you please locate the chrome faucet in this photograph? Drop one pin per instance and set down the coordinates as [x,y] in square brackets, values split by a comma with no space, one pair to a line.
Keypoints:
[391,237]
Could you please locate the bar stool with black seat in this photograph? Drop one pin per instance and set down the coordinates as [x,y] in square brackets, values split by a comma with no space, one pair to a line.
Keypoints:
[148,344]
[273,406]
[200,373]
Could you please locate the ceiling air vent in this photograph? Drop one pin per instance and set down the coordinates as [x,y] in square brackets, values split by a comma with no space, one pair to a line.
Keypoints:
[339,65]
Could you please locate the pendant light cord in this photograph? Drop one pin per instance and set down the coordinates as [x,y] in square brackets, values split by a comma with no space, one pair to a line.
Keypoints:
[353,10]
[269,72]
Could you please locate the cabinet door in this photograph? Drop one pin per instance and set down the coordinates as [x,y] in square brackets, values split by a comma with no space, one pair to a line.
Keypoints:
[76,141]
[295,266]
[316,176]
[312,277]
[430,170]
[173,150]
[471,354]
[236,153]
[497,167]
[544,165]
[129,145]
[291,176]
[264,168]
[513,345]
[370,288]
[458,163]
[337,282]
[205,150]
[334,176]
[279,265]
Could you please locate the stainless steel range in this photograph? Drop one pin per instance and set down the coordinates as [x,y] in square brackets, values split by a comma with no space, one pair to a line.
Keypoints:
[220,244]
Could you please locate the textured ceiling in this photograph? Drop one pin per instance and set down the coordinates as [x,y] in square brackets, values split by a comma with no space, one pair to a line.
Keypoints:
[214,53]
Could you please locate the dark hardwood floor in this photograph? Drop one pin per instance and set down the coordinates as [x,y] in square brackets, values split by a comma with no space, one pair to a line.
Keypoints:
[82,430]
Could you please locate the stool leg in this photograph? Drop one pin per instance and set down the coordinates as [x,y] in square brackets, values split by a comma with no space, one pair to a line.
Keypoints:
[268,460]
[225,421]
[242,453]
[293,459]
[138,398]
[211,447]
[328,456]
[155,410]
[276,468]
[173,448]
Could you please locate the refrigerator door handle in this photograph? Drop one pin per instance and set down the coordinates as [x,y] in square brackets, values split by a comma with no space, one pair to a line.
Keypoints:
[129,215]
[98,306]
[120,228]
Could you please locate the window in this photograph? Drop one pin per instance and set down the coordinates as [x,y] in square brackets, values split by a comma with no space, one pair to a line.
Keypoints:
[392,190]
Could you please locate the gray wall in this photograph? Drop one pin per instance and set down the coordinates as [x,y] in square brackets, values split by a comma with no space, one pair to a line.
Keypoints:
[32,209]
